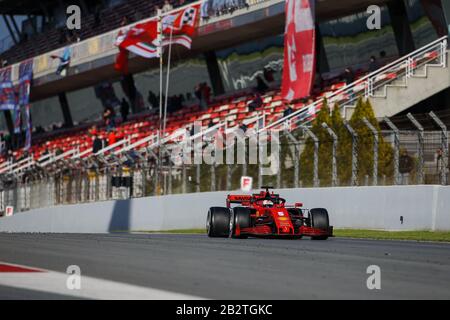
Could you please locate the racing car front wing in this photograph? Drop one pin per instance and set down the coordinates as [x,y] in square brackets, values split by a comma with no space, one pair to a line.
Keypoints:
[267,231]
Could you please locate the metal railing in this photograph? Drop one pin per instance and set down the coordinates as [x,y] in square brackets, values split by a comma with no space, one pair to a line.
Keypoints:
[433,54]
[11,167]
[118,149]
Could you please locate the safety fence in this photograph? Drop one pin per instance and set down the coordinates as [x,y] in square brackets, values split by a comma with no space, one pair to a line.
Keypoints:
[303,159]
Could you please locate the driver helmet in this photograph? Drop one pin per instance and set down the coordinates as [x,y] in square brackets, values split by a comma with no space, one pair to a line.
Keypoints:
[268,203]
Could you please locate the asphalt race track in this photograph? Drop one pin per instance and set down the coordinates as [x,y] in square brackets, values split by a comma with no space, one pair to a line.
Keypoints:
[196,266]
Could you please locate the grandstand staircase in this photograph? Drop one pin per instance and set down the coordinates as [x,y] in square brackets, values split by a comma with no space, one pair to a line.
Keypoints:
[395,98]
[405,92]
[391,89]
[409,88]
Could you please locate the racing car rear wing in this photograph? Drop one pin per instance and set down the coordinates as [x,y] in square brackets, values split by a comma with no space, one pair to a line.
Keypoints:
[241,199]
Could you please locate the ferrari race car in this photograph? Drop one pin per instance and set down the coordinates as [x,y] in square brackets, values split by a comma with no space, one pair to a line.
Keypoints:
[267,215]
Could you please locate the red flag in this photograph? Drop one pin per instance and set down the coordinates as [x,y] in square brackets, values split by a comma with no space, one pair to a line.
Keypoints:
[299,50]
[142,39]
[121,64]
[184,23]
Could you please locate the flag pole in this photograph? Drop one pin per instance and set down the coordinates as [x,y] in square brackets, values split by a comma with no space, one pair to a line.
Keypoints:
[169,59]
[160,53]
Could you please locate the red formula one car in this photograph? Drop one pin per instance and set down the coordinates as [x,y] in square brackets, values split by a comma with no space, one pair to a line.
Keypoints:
[267,215]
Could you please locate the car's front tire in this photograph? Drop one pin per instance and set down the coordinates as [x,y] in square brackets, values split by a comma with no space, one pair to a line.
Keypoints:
[319,220]
[218,222]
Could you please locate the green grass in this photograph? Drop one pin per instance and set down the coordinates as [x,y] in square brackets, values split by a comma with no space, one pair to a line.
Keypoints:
[355,233]
[394,235]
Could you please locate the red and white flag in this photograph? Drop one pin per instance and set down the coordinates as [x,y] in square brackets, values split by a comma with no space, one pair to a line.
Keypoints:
[142,39]
[299,49]
[183,24]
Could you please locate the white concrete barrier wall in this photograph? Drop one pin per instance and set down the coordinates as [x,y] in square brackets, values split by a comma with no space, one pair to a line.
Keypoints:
[422,208]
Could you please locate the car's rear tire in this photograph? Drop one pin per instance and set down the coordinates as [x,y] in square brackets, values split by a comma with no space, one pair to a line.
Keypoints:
[242,219]
[319,220]
[218,222]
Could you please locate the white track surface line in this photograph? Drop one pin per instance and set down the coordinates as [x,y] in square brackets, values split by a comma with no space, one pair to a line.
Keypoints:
[91,288]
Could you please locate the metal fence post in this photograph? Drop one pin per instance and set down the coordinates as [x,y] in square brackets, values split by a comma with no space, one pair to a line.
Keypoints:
[396,150]
[197,178]
[157,168]
[155,179]
[444,142]
[16,202]
[183,177]
[80,186]
[228,177]
[25,199]
[278,184]
[48,192]
[316,181]
[354,181]
[57,189]
[97,186]
[170,178]
[260,177]
[87,184]
[334,175]
[213,176]
[108,184]
[169,172]
[144,180]
[246,157]
[420,151]
[164,182]
[296,156]
[375,150]
[260,166]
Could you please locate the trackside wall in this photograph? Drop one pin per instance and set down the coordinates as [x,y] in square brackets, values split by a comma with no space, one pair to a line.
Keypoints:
[422,208]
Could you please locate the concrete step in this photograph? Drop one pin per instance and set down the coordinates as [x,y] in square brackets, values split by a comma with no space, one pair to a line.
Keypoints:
[402,82]
[393,98]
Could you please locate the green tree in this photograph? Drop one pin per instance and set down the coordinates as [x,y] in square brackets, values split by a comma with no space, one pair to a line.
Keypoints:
[365,142]
[325,150]
[365,149]
[344,150]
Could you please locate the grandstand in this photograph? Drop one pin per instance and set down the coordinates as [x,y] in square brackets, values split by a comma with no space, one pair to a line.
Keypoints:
[229,52]
[53,22]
